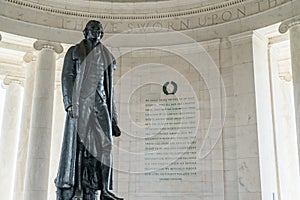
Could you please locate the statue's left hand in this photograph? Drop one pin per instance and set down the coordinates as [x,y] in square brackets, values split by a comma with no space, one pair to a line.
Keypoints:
[70,111]
[116,130]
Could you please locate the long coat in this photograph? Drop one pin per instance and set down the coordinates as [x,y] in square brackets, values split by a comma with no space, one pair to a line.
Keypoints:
[79,85]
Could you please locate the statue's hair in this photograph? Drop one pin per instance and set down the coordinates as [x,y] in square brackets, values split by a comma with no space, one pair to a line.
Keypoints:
[85,31]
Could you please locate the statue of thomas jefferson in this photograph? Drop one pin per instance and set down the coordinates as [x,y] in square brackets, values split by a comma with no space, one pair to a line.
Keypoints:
[87,86]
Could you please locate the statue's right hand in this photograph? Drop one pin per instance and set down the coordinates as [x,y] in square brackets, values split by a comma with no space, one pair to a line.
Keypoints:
[70,112]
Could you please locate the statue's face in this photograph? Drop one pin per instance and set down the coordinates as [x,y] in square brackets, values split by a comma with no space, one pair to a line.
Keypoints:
[94,31]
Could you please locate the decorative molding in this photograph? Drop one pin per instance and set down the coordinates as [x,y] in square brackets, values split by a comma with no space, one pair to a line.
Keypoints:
[287,24]
[189,12]
[42,44]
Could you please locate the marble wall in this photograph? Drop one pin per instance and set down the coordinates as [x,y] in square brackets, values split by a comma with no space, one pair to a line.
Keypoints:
[235,146]
[165,153]
[219,76]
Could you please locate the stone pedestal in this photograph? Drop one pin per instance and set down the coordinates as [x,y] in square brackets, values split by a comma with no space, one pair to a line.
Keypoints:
[37,173]
[293,26]
[18,192]
[9,136]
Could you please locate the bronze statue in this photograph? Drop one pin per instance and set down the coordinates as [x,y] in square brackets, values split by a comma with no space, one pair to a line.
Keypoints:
[87,85]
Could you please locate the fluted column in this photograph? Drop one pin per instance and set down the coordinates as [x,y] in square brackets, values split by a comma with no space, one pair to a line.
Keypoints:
[9,135]
[293,26]
[38,158]
[18,192]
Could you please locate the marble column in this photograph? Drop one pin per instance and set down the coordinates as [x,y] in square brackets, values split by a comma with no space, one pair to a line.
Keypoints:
[293,26]
[59,115]
[9,135]
[18,191]
[38,158]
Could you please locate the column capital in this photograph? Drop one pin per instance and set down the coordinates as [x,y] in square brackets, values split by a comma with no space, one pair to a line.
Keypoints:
[41,44]
[287,24]
[29,57]
[13,79]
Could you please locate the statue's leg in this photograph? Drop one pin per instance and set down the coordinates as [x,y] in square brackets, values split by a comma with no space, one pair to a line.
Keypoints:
[105,193]
[106,152]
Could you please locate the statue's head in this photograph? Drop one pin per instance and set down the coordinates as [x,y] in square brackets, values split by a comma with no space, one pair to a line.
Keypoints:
[93,30]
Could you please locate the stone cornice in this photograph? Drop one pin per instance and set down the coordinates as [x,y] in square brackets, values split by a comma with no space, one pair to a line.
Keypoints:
[155,21]
[250,15]
[41,44]
[287,24]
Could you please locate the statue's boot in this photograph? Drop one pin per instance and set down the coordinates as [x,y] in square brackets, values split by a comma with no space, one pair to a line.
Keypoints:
[105,194]
[64,193]
[90,194]
[118,198]
[58,194]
